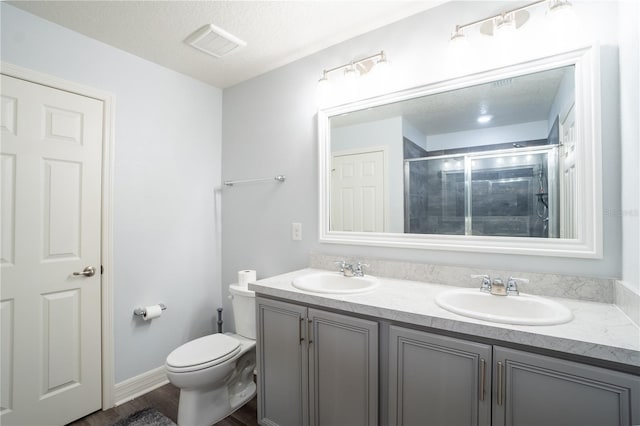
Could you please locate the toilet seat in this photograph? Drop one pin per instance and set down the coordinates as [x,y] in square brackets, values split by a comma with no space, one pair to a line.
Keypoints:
[202,353]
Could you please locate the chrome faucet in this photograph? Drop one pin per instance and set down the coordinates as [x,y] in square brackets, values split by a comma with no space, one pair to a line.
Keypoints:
[497,287]
[345,268]
[357,269]
[351,270]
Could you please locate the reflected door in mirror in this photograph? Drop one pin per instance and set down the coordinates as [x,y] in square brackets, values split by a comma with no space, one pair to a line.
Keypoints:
[357,192]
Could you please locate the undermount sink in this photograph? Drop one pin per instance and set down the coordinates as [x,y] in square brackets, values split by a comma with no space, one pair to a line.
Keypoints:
[334,282]
[524,309]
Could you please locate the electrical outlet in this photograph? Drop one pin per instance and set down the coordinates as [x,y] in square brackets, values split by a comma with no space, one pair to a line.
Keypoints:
[296,231]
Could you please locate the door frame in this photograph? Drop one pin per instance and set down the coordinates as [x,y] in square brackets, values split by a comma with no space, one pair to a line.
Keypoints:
[106,227]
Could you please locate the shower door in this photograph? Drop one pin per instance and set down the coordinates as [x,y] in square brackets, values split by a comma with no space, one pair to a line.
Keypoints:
[503,193]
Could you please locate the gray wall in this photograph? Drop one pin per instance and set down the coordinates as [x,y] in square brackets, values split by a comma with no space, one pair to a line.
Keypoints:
[270,127]
[167,164]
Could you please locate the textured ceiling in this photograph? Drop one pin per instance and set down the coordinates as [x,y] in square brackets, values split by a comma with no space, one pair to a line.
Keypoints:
[518,100]
[276,32]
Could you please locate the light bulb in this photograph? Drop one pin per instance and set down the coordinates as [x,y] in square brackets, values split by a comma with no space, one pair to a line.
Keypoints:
[563,20]
[504,25]
[350,72]
[560,9]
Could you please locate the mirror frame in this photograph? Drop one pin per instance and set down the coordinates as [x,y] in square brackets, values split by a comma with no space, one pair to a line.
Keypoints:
[588,169]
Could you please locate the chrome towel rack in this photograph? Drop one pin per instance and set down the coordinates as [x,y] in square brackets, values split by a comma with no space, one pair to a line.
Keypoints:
[279,178]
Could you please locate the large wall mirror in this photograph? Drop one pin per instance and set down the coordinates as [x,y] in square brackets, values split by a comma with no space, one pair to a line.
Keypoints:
[503,161]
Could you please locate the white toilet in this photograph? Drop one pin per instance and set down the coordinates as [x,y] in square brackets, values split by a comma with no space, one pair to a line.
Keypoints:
[215,372]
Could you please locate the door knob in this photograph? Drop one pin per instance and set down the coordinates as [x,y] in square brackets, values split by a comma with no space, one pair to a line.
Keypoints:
[89,271]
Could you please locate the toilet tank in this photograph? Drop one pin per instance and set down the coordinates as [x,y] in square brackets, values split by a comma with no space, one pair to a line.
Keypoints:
[244,310]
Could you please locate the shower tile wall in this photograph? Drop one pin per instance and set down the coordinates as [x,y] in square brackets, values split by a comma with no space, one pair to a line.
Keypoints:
[436,198]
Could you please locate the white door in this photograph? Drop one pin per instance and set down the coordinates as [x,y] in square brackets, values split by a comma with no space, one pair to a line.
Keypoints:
[357,192]
[50,228]
[568,221]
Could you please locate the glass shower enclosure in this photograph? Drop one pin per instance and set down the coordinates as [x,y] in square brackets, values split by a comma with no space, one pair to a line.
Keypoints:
[510,192]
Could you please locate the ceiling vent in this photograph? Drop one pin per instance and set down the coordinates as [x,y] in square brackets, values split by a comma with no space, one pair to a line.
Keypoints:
[214,41]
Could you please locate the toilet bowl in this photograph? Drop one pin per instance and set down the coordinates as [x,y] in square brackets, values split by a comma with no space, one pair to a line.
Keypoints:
[215,372]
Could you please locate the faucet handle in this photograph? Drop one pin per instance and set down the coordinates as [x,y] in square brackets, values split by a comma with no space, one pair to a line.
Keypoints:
[341,263]
[480,276]
[512,285]
[486,282]
[357,269]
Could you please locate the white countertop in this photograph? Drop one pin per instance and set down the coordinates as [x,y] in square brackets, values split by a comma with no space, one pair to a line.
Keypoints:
[598,330]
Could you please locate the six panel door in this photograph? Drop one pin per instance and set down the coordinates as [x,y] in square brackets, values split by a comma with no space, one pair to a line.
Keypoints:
[50,228]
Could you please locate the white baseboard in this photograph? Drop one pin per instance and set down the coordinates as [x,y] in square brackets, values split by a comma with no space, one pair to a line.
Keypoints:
[139,385]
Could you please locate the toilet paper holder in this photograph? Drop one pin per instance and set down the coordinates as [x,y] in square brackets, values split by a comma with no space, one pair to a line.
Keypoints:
[142,311]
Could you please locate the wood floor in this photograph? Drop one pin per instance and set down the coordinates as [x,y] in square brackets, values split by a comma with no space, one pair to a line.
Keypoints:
[165,400]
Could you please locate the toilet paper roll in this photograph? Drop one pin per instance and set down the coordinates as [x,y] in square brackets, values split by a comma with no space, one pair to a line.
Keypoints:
[245,277]
[151,312]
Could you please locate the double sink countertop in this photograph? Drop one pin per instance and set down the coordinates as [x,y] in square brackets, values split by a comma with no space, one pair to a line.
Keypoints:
[598,330]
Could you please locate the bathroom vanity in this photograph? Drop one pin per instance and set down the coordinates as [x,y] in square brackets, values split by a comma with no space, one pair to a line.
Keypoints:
[391,356]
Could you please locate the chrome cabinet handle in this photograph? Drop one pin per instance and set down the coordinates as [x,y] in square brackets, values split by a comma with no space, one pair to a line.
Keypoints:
[500,396]
[300,330]
[89,271]
[309,330]
[483,371]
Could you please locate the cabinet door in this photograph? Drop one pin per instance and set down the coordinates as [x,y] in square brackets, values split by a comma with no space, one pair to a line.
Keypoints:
[343,370]
[437,380]
[282,363]
[533,390]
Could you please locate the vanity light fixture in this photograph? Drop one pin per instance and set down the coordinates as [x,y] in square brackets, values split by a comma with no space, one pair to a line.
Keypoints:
[559,6]
[356,68]
[509,21]
[351,72]
[458,36]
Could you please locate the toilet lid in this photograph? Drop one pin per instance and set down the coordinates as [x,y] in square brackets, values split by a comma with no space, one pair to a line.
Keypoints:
[203,352]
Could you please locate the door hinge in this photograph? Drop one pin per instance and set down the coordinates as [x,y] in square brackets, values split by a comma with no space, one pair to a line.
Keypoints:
[101,269]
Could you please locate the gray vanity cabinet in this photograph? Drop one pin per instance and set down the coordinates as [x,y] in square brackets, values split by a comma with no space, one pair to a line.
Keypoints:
[533,390]
[282,363]
[437,380]
[315,367]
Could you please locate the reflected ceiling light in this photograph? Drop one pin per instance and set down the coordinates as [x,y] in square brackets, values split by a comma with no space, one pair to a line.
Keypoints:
[509,21]
[358,67]
[485,118]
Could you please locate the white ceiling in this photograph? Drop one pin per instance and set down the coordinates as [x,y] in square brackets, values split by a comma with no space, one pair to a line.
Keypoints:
[276,32]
